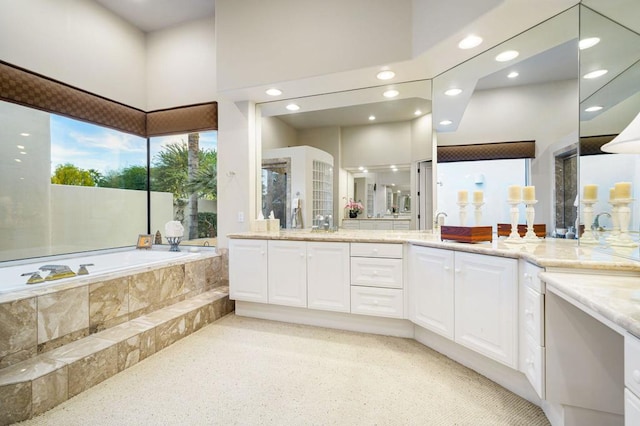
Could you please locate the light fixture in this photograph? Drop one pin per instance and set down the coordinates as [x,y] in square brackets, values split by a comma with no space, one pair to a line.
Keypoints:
[513,74]
[446,122]
[507,55]
[418,112]
[365,171]
[273,92]
[361,168]
[293,107]
[628,141]
[385,75]
[20,146]
[593,108]
[586,43]
[391,93]
[372,117]
[595,74]
[393,166]
[18,160]
[469,42]
[25,134]
[23,153]
[453,92]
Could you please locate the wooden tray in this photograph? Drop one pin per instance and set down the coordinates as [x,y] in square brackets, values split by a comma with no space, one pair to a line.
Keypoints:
[466,234]
[504,229]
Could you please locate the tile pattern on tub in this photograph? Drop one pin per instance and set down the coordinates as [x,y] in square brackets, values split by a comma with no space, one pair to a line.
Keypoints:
[16,402]
[50,390]
[136,348]
[195,276]
[171,282]
[93,369]
[62,313]
[62,340]
[18,331]
[144,290]
[108,304]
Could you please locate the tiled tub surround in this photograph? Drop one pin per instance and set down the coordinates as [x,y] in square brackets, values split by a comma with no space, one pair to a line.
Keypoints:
[57,341]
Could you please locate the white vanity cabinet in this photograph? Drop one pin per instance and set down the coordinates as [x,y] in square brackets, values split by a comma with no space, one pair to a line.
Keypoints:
[377,280]
[431,289]
[631,380]
[287,276]
[328,276]
[248,270]
[531,333]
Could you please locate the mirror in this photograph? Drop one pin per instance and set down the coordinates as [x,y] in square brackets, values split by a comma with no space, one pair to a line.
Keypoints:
[531,96]
[374,146]
[608,103]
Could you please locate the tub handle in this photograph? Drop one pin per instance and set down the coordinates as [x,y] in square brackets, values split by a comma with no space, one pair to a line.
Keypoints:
[83,269]
[34,277]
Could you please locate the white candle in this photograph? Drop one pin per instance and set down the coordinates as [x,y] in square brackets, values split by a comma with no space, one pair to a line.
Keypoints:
[478,196]
[515,193]
[529,193]
[590,192]
[463,196]
[622,190]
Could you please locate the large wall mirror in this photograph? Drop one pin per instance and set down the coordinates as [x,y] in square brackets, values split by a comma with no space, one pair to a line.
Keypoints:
[522,92]
[609,101]
[365,146]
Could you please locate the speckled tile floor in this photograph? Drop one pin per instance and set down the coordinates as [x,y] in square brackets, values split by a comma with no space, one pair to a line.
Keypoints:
[253,372]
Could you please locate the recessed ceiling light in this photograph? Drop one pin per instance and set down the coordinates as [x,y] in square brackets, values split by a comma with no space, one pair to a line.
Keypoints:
[273,92]
[446,122]
[593,108]
[399,191]
[393,166]
[391,93]
[453,92]
[365,171]
[470,42]
[385,75]
[25,134]
[507,56]
[18,160]
[23,153]
[361,168]
[418,112]
[372,117]
[20,146]
[595,74]
[293,107]
[586,43]
[513,74]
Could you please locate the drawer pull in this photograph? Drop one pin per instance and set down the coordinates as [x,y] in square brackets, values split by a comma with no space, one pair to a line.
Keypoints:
[375,272]
[458,270]
[636,376]
[262,253]
[375,251]
[528,313]
[375,302]
[446,268]
[529,361]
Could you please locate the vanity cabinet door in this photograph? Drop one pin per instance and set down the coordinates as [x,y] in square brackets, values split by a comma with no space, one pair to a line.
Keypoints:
[486,302]
[288,273]
[248,270]
[328,276]
[431,286]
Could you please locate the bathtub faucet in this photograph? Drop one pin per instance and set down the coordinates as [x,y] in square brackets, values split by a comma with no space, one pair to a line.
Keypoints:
[34,277]
[57,272]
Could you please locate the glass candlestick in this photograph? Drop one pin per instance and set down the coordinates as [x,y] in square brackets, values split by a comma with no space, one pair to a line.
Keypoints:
[514,212]
[174,241]
[463,213]
[587,212]
[478,213]
[530,214]
[624,217]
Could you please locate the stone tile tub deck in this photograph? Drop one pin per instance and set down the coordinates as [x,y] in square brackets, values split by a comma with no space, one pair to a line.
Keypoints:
[57,341]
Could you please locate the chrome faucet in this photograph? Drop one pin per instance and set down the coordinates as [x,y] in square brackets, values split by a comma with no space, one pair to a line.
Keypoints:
[57,272]
[34,277]
[83,269]
[596,222]
[436,221]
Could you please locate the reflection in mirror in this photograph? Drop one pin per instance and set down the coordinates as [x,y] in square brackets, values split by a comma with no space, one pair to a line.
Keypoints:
[609,102]
[374,146]
[530,97]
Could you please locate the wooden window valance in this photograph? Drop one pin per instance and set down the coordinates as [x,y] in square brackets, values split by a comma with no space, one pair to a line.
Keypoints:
[590,145]
[32,90]
[487,151]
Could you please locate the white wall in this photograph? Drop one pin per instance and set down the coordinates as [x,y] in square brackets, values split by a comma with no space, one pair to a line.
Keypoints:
[77,42]
[421,138]
[275,133]
[377,144]
[181,65]
[261,41]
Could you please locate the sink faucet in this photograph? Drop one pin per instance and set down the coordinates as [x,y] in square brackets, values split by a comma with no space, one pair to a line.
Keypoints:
[436,221]
[596,222]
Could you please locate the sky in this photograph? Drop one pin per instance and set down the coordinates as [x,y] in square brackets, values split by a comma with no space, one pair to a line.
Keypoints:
[89,146]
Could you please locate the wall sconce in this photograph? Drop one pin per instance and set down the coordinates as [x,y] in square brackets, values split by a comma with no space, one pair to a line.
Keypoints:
[628,141]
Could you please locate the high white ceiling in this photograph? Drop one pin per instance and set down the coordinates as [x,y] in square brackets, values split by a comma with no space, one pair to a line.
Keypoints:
[152,15]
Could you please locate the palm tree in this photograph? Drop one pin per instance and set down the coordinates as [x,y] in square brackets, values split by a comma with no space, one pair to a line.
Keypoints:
[194,149]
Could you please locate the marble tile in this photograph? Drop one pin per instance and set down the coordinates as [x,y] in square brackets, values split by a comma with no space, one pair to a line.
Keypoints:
[124,331]
[49,390]
[144,290]
[220,308]
[29,370]
[62,340]
[18,331]
[171,282]
[195,275]
[62,313]
[171,331]
[108,303]
[78,350]
[92,369]
[16,402]
[135,349]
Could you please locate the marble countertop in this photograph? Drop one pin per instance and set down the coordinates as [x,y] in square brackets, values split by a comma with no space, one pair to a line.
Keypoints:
[616,298]
[378,218]
[549,253]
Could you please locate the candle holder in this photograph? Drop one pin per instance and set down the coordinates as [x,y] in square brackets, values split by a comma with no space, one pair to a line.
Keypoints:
[478,213]
[530,214]
[624,216]
[463,213]
[514,212]
[587,212]
[615,222]
[174,241]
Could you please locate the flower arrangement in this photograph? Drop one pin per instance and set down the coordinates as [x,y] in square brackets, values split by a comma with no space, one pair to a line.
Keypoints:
[354,208]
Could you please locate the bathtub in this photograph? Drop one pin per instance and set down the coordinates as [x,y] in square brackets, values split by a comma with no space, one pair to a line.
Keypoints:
[104,263]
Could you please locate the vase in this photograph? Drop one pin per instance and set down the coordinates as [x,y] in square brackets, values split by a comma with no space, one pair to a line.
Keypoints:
[353,214]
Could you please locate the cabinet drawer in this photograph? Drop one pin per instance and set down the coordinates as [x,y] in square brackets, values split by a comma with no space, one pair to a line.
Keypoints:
[381,302]
[529,276]
[376,250]
[631,409]
[533,365]
[533,314]
[376,272]
[632,363]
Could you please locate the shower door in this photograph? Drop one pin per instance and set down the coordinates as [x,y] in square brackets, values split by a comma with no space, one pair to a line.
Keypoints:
[276,174]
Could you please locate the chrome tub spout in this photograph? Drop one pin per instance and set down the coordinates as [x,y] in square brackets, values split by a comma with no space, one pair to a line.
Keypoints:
[57,272]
